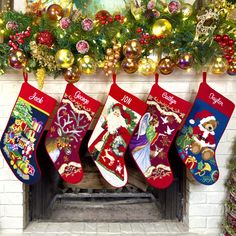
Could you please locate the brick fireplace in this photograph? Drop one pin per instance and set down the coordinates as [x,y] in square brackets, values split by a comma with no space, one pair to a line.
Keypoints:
[204,204]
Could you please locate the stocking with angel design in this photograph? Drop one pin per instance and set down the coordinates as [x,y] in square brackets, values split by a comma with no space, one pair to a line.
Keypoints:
[150,143]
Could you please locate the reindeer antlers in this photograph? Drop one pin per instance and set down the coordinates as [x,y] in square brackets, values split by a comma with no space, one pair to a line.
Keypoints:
[76,129]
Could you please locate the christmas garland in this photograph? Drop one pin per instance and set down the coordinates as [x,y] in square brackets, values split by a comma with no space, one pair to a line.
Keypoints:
[149,36]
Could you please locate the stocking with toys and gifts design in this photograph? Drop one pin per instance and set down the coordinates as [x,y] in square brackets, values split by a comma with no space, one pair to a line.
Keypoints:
[70,124]
[113,132]
[150,143]
[24,129]
[199,137]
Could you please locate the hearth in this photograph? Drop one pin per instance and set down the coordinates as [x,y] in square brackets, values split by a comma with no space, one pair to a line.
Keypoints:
[94,200]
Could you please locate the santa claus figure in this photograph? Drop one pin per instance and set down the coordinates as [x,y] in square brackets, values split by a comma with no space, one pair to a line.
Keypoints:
[114,125]
[204,131]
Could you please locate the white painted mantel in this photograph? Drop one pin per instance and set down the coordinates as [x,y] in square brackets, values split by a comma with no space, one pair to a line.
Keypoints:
[204,203]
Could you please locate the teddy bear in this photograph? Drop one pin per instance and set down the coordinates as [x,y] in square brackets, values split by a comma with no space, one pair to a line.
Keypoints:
[204,134]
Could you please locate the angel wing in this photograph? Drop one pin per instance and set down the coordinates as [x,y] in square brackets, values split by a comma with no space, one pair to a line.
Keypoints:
[144,123]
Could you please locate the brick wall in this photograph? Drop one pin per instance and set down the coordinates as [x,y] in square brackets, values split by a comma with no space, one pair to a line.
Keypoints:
[205,204]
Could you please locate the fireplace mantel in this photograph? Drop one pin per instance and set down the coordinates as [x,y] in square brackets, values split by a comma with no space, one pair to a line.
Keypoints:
[204,210]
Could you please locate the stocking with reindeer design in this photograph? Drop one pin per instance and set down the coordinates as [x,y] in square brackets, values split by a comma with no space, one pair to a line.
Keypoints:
[70,124]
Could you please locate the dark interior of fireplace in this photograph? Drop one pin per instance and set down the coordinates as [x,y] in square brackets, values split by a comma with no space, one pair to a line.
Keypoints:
[94,200]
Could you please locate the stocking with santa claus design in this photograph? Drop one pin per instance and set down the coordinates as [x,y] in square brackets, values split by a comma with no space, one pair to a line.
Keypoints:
[113,132]
[199,137]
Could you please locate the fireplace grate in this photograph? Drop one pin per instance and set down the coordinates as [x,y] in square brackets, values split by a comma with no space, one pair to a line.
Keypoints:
[104,207]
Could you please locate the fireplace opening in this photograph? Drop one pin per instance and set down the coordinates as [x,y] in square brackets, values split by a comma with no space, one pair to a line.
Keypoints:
[94,200]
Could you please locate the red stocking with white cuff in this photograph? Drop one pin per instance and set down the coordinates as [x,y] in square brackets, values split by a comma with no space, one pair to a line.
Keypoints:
[113,132]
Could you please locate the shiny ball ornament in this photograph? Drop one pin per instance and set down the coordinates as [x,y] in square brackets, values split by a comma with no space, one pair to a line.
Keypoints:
[232,68]
[17,59]
[12,25]
[55,12]
[45,38]
[146,66]
[82,46]
[187,10]
[185,61]
[162,28]
[132,49]
[87,65]
[130,66]
[219,65]
[65,23]
[166,66]
[174,7]
[72,74]
[87,24]
[64,58]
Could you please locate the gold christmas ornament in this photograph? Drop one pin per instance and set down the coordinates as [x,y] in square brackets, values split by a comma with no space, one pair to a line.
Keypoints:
[232,68]
[219,65]
[17,59]
[132,49]
[166,66]
[64,58]
[72,74]
[187,10]
[2,31]
[40,75]
[87,65]
[112,57]
[162,28]
[55,12]
[146,66]
[129,65]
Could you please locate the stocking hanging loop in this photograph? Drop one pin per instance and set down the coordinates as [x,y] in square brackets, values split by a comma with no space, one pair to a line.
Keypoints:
[204,76]
[25,75]
[156,78]
[114,78]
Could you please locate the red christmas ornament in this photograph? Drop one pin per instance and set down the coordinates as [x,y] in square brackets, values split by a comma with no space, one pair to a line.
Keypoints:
[117,17]
[225,38]
[139,30]
[231,42]
[45,38]
[102,15]
[218,38]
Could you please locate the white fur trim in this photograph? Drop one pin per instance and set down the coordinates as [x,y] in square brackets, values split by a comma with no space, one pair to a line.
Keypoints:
[206,119]
[192,121]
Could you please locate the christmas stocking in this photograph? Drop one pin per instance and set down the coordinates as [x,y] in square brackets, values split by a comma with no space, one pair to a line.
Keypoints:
[150,144]
[22,134]
[197,141]
[113,132]
[68,128]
